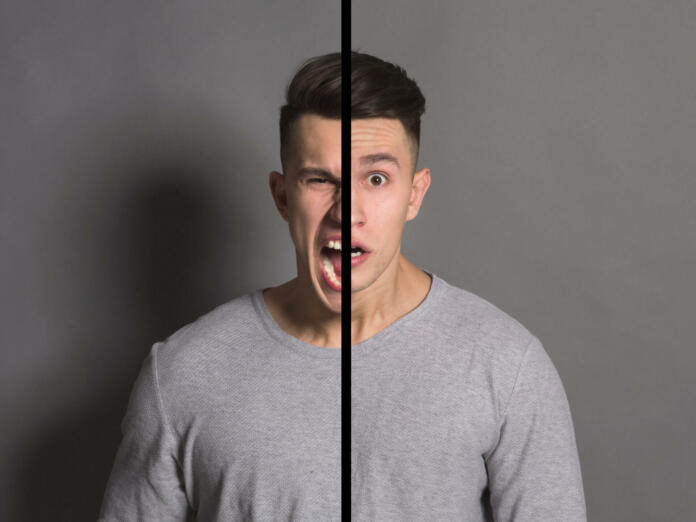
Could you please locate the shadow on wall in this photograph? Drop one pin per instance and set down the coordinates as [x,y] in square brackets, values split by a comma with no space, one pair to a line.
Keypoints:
[173,225]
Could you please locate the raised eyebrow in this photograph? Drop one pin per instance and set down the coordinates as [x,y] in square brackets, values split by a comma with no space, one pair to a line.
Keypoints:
[371,159]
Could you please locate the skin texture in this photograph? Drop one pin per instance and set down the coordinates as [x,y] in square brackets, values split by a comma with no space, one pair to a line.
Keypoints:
[385,194]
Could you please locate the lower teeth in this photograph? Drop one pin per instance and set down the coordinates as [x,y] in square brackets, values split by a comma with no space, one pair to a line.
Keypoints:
[329,269]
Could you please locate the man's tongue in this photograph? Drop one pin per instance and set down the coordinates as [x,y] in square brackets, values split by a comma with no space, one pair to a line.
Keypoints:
[335,258]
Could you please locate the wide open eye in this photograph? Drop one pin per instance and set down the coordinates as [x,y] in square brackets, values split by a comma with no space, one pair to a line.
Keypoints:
[377,179]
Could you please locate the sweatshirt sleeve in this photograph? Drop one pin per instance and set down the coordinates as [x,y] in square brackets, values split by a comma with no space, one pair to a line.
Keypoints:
[534,470]
[146,481]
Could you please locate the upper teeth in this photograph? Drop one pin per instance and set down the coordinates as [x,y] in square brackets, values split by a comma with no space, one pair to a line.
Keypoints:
[336,245]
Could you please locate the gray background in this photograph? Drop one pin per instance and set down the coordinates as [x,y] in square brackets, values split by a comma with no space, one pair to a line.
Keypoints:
[561,136]
[136,140]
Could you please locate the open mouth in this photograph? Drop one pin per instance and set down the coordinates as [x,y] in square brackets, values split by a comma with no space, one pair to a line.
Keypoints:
[330,256]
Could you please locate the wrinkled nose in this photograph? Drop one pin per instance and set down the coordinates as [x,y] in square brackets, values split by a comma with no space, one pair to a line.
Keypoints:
[335,211]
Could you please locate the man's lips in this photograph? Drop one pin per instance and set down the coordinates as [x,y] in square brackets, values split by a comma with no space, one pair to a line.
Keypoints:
[355,261]
[331,256]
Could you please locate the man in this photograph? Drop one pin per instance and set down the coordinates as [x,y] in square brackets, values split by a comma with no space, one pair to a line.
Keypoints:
[457,411]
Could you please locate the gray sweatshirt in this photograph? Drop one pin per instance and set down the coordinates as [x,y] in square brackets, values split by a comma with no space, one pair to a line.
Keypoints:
[457,414]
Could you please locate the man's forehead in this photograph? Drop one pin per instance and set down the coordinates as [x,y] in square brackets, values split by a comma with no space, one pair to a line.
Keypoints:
[377,140]
[311,126]
[317,137]
[380,131]
[373,140]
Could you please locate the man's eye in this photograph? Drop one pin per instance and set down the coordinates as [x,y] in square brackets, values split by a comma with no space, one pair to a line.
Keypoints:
[377,179]
[318,180]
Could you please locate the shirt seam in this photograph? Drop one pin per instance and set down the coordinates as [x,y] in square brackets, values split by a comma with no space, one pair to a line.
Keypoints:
[160,402]
[165,421]
[517,379]
[501,419]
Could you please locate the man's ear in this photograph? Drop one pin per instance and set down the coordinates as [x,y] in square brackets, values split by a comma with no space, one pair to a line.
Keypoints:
[277,183]
[419,186]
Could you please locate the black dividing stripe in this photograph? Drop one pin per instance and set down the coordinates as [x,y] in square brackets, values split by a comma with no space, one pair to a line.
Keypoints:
[345,262]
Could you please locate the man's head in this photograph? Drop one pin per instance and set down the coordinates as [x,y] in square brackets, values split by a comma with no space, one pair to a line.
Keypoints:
[378,89]
[386,107]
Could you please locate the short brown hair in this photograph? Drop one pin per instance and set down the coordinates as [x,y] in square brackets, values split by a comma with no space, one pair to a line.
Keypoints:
[379,89]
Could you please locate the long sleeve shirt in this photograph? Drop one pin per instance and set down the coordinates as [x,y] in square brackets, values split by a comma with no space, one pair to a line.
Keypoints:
[458,413]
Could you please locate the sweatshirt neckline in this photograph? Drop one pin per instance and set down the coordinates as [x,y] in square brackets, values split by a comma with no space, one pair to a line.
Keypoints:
[357,350]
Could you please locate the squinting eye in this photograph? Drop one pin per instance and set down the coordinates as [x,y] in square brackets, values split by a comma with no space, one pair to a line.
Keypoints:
[318,180]
[381,178]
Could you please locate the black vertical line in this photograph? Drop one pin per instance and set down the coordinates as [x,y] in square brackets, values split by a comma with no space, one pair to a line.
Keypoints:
[345,264]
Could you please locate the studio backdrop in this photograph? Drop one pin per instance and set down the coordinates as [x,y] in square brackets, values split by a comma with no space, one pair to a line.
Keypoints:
[136,144]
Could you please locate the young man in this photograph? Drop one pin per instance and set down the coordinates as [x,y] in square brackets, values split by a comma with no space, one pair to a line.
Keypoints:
[457,411]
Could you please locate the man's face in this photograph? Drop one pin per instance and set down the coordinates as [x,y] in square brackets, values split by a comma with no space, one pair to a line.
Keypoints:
[384,196]
[308,196]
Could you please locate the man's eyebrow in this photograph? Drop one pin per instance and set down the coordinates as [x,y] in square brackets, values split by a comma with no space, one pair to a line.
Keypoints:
[316,171]
[371,159]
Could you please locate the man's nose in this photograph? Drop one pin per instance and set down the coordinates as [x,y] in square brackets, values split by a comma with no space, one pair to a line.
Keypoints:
[335,211]
[357,209]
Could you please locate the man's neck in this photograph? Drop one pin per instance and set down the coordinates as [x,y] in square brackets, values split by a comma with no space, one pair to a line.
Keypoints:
[392,296]
[299,312]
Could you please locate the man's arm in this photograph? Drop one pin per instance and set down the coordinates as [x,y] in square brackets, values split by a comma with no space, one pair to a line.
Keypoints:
[145,482]
[534,470]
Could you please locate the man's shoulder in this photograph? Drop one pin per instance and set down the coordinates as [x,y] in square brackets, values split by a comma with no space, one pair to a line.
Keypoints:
[470,318]
[224,331]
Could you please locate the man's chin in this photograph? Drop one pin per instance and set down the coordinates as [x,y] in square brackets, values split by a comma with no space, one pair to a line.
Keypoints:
[330,297]
[335,308]
[358,284]
[332,302]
